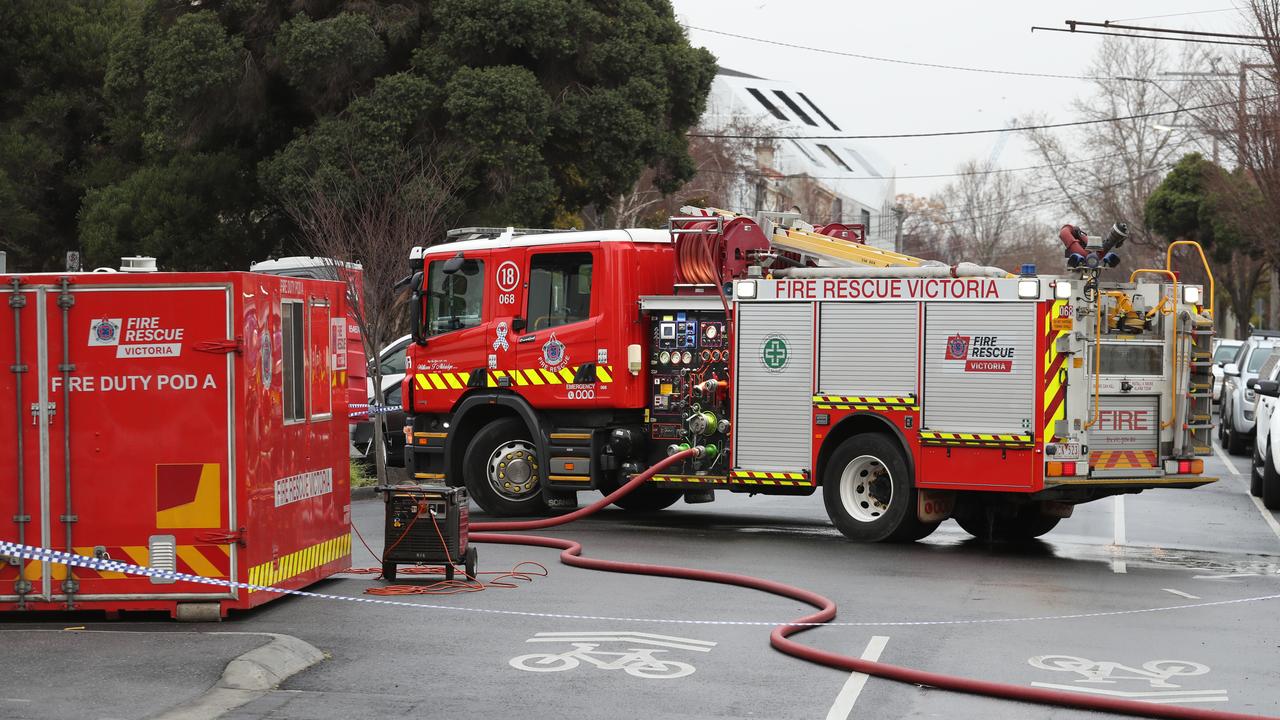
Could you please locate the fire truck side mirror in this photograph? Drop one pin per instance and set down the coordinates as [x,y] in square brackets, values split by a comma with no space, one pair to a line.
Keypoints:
[416,310]
[519,324]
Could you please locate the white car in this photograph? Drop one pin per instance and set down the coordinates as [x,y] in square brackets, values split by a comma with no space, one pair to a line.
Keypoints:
[1264,481]
[1224,351]
[1235,421]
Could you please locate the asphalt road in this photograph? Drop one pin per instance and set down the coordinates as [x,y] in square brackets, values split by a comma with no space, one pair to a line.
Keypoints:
[1142,572]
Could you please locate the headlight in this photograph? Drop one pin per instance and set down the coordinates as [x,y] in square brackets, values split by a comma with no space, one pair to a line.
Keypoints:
[1192,294]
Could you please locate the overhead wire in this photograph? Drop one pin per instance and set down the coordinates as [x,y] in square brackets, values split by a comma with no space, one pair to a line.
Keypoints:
[896,61]
[992,171]
[984,131]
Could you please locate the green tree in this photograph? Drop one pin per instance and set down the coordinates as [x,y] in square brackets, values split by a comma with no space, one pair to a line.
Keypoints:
[1223,211]
[224,113]
[52,54]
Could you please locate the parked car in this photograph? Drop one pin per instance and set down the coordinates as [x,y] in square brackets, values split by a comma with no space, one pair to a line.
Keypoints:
[1235,429]
[1224,351]
[391,364]
[1264,479]
[392,428]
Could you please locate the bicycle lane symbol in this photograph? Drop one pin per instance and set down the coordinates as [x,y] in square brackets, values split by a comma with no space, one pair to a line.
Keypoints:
[1107,678]
[642,656]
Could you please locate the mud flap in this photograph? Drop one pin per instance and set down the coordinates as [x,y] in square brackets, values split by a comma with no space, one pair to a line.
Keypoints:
[934,505]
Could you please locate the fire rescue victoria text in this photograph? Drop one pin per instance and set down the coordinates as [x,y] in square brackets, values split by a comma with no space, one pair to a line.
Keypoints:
[888,289]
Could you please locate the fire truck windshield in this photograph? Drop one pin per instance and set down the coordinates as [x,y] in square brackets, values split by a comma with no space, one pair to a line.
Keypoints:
[454,301]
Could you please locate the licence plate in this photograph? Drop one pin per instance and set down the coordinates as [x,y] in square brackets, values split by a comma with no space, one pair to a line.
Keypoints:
[1066,451]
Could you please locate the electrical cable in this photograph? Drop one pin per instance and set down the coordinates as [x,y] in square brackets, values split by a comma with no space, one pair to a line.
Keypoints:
[503,579]
[779,638]
[992,171]
[1141,37]
[985,131]
[896,61]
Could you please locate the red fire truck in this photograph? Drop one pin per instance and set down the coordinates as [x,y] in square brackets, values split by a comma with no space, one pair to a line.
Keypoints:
[909,391]
[189,422]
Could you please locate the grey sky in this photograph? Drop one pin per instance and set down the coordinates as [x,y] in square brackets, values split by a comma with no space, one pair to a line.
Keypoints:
[876,97]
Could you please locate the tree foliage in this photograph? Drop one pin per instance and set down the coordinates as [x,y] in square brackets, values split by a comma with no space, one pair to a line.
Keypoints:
[1227,214]
[213,117]
[52,54]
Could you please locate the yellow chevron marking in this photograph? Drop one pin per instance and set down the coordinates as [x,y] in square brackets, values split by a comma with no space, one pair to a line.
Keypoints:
[452,380]
[198,562]
[567,374]
[436,382]
[551,377]
[422,381]
[603,375]
[534,377]
[521,380]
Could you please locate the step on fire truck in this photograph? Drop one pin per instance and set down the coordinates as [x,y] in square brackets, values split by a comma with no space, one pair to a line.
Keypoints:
[910,391]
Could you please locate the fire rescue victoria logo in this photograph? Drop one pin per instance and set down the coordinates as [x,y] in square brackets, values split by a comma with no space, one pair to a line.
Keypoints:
[775,353]
[554,356]
[957,347]
[104,332]
[981,353]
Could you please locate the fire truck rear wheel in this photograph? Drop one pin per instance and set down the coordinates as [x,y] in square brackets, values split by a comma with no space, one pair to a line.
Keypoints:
[500,468]
[868,491]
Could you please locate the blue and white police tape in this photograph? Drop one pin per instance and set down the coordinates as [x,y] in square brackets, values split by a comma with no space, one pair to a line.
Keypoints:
[30,552]
[362,410]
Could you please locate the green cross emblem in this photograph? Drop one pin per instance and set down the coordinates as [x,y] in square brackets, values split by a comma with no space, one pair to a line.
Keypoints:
[775,352]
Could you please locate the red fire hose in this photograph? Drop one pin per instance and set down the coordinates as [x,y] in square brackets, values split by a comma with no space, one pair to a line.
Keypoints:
[571,554]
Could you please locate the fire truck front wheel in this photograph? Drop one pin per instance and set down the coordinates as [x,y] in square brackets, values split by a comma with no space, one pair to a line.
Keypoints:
[500,468]
[868,491]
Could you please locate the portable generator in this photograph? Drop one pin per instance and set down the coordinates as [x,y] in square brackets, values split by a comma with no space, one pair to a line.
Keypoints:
[426,524]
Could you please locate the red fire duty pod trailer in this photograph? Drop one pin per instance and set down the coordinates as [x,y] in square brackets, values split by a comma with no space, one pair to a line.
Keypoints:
[193,422]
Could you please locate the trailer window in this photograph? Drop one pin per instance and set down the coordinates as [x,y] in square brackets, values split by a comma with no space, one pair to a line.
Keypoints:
[292,318]
[559,289]
[454,302]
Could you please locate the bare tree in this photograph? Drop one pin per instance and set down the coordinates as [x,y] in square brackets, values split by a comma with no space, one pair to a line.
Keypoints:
[374,221]
[1138,151]
[984,216]
[730,170]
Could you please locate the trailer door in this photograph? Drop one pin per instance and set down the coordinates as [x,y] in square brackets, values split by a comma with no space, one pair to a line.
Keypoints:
[142,378]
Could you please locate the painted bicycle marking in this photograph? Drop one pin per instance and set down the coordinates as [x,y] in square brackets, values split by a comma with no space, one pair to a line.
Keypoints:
[641,662]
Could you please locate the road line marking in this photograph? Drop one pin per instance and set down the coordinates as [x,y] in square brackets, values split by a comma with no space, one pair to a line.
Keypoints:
[1179,593]
[842,708]
[1119,566]
[1266,515]
[1223,577]
[1217,449]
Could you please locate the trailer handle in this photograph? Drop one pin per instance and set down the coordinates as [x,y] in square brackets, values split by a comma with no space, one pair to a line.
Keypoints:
[1168,264]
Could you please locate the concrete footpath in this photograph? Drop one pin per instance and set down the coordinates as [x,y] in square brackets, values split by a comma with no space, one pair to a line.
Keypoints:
[135,674]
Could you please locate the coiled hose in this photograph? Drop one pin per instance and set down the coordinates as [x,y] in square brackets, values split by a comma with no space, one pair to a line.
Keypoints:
[571,554]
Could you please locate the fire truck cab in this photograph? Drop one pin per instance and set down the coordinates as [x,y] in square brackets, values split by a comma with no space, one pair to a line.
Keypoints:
[910,391]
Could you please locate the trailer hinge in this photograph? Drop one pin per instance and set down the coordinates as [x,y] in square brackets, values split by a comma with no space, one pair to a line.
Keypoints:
[17,300]
[18,369]
[68,519]
[221,346]
[35,412]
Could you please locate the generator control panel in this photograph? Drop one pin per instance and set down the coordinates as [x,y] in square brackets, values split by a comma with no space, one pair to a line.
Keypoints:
[689,390]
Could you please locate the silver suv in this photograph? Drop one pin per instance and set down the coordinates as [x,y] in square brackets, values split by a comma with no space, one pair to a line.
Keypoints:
[1235,429]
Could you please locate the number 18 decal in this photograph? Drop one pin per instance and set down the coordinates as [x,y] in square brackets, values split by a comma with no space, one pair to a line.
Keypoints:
[508,279]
